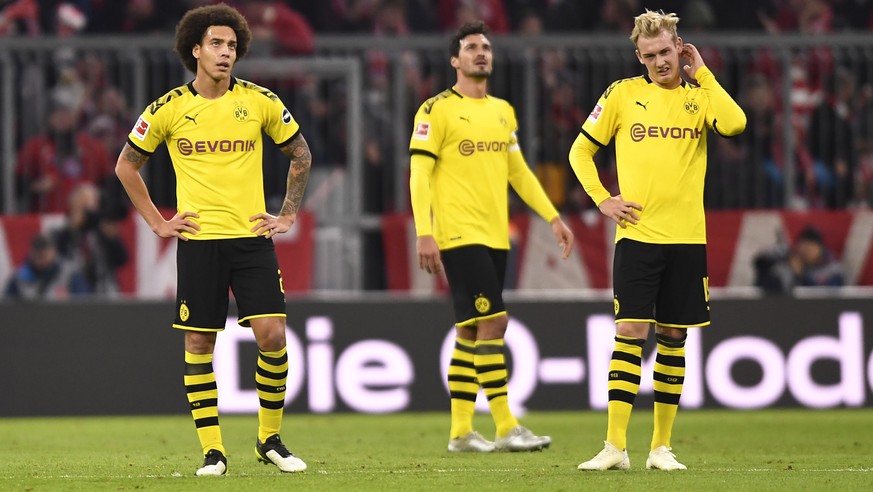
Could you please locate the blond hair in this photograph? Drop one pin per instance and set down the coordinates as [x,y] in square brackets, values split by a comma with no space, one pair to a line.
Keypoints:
[650,24]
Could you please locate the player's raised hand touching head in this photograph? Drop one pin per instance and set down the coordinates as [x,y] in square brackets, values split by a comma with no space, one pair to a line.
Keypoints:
[691,59]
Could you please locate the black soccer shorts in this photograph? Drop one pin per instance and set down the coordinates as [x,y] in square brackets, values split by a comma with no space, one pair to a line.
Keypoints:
[476,275]
[206,269]
[666,284]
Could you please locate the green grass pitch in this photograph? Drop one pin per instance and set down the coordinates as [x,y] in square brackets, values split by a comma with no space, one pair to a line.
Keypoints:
[724,450]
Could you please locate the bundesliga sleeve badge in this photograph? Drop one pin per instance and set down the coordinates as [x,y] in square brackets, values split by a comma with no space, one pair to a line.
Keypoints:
[422,131]
[141,129]
[595,113]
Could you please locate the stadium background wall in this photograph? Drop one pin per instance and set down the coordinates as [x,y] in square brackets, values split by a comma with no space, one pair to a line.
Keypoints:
[383,355]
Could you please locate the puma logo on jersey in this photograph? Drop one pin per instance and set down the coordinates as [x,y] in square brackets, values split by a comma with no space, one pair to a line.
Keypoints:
[192,118]
[643,105]
[465,118]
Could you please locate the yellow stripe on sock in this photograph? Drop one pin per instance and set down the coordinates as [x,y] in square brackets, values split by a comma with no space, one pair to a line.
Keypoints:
[622,392]
[270,380]
[463,393]
[490,362]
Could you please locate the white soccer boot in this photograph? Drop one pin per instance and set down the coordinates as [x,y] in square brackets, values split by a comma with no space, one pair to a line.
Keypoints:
[610,458]
[661,458]
[214,464]
[473,442]
[272,451]
[521,439]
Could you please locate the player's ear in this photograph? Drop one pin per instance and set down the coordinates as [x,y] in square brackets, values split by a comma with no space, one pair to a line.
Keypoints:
[640,58]
[453,61]
[195,51]
[679,44]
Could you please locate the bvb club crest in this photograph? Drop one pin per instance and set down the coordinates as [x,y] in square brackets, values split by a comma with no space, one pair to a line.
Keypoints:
[615,304]
[183,312]
[483,305]
[691,107]
[241,113]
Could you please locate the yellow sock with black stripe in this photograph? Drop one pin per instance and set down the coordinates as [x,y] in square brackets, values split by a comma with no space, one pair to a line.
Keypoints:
[490,362]
[270,379]
[624,384]
[463,387]
[668,378]
[203,397]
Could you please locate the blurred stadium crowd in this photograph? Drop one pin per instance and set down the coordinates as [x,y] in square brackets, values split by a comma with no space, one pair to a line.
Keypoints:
[69,140]
[35,17]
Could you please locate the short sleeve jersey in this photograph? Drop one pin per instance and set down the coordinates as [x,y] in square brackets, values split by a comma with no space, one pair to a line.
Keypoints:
[660,144]
[217,151]
[471,140]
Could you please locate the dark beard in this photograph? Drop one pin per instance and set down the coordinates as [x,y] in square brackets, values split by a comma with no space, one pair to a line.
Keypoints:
[479,75]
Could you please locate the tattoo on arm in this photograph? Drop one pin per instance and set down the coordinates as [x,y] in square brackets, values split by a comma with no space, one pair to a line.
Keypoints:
[134,155]
[298,174]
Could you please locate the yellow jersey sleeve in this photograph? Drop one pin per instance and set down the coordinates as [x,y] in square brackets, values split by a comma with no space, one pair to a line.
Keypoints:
[278,122]
[428,132]
[522,179]
[582,161]
[153,125]
[724,115]
[603,121]
[420,172]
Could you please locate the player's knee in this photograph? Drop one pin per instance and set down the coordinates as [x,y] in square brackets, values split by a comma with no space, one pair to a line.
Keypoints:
[272,341]
[269,334]
[199,342]
[633,330]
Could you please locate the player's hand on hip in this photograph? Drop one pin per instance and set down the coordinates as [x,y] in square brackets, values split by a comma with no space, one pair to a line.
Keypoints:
[428,255]
[620,211]
[564,236]
[270,225]
[177,225]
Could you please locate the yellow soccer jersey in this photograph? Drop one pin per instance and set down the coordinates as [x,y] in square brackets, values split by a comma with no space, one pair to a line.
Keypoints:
[471,140]
[217,151]
[660,143]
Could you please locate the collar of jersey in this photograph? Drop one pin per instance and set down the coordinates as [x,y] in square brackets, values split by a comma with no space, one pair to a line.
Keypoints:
[649,81]
[194,91]
[481,99]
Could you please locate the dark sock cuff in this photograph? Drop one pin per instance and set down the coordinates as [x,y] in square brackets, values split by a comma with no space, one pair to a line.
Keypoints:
[638,342]
[670,341]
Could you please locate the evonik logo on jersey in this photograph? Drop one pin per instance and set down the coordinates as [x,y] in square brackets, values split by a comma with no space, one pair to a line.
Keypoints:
[469,147]
[639,131]
[187,147]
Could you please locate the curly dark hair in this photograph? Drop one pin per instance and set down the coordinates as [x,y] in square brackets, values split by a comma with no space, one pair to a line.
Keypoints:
[195,22]
[475,27]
